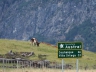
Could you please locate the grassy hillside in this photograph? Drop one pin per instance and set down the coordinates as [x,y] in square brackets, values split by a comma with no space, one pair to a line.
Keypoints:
[89,58]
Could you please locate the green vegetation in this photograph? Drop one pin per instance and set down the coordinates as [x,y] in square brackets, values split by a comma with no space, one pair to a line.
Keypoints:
[89,58]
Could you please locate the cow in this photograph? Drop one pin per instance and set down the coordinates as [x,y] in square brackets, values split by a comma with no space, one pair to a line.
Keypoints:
[34,42]
[37,43]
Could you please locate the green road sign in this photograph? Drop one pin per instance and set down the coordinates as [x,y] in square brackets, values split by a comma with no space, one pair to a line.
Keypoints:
[69,45]
[69,49]
[69,53]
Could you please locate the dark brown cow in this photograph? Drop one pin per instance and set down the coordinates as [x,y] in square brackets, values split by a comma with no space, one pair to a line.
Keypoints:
[37,43]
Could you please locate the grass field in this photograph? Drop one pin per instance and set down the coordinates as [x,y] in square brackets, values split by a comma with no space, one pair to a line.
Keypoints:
[46,70]
[88,59]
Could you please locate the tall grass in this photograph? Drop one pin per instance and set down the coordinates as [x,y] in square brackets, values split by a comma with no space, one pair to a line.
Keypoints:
[45,70]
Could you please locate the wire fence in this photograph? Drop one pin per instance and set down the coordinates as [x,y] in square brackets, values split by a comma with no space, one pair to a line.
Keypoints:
[18,63]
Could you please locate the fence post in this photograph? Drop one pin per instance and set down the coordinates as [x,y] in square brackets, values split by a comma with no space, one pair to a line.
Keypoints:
[22,66]
[3,64]
[17,63]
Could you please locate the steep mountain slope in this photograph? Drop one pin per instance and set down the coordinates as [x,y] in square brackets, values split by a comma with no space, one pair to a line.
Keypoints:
[49,20]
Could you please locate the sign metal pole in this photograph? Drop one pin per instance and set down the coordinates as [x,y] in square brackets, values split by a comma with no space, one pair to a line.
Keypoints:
[70,50]
[62,65]
[77,65]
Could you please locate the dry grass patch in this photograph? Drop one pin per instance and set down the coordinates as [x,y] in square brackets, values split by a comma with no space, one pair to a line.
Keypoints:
[45,70]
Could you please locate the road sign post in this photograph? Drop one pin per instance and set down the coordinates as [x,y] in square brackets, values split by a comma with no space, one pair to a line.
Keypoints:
[77,65]
[62,65]
[70,50]
[69,53]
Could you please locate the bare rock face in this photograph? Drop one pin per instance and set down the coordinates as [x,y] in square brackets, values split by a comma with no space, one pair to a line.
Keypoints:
[49,20]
